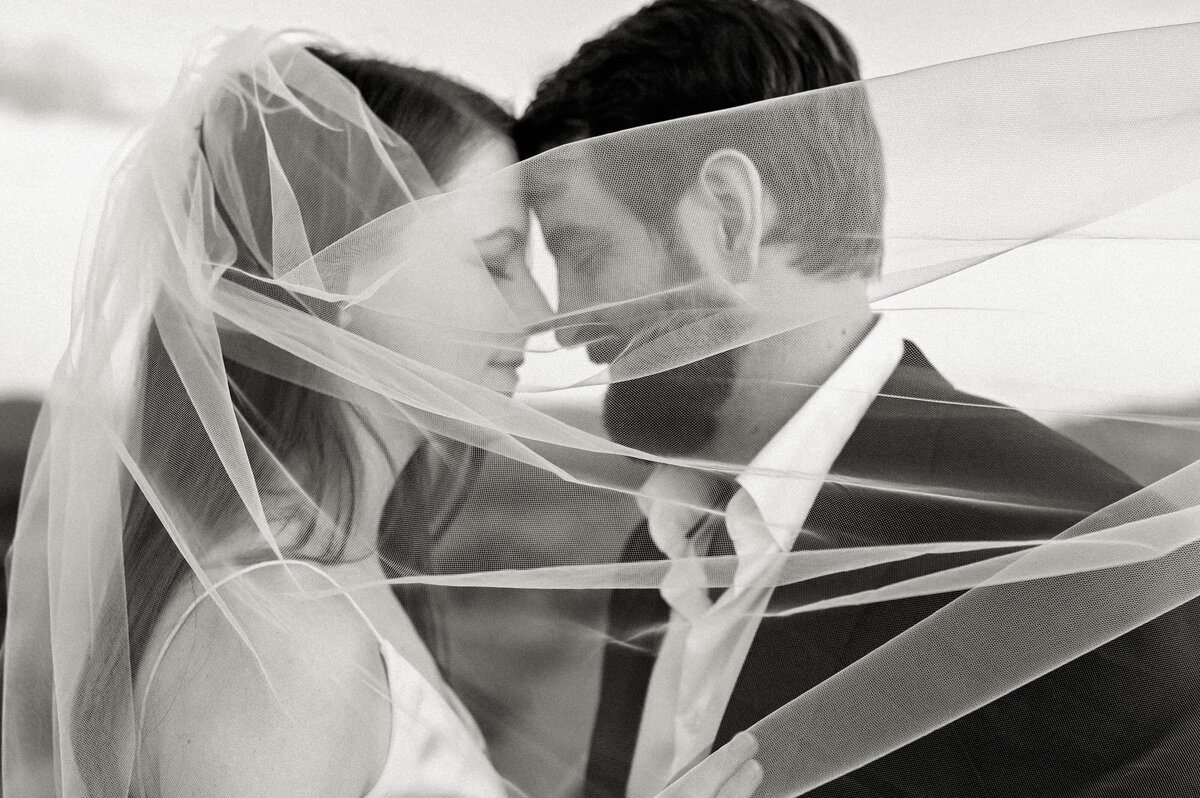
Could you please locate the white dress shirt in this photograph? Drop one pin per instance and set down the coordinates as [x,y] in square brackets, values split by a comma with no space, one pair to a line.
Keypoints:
[705,646]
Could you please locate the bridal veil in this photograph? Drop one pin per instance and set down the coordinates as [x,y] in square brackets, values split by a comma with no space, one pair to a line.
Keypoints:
[1030,219]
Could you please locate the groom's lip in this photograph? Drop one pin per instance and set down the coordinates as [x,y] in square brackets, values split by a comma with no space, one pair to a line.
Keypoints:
[604,342]
[606,350]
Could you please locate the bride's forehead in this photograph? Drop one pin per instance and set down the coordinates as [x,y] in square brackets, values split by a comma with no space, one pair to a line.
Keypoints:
[482,194]
[478,212]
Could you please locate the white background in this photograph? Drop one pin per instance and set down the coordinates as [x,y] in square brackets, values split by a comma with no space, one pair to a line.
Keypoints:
[77,75]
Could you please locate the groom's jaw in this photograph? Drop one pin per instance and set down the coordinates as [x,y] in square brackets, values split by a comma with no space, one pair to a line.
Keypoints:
[676,412]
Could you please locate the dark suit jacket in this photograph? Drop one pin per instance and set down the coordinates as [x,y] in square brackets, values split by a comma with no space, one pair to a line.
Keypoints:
[1115,722]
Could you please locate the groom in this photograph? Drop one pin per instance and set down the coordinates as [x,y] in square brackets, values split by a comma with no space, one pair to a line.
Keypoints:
[1111,723]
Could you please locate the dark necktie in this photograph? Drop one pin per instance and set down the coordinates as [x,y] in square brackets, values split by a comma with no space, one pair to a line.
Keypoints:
[713,524]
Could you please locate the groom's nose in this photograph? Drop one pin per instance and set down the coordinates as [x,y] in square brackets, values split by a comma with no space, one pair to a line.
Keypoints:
[573,330]
[529,304]
[585,318]
[604,341]
[571,322]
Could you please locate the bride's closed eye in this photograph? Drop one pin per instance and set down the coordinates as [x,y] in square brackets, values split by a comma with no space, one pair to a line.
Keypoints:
[501,251]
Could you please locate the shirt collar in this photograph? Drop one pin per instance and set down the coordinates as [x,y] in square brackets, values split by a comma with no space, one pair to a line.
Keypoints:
[781,482]
[673,499]
[784,477]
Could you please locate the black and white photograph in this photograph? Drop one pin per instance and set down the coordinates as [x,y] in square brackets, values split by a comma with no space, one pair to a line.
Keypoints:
[600,399]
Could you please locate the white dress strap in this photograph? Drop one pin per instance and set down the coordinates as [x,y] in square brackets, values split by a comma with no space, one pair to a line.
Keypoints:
[435,747]
[196,602]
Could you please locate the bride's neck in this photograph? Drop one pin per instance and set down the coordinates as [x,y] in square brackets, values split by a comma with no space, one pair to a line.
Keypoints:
[325,510]
[379,463]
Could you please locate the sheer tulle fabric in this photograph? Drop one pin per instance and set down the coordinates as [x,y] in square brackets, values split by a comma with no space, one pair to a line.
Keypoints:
[1034,217]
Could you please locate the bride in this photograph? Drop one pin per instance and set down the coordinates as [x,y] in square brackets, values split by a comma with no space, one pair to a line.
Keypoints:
[285,278]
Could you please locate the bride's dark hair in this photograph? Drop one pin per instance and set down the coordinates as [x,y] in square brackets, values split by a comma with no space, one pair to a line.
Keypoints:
[441,119]
[282,421]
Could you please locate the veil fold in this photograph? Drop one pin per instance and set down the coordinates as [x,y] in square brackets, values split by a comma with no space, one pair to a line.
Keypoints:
[1011,533]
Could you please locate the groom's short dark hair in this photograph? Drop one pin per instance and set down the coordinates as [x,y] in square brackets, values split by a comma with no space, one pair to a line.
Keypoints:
[679,58]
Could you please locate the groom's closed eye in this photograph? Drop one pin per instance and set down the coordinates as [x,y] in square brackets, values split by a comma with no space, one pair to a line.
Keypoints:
[584,259]
[576,247]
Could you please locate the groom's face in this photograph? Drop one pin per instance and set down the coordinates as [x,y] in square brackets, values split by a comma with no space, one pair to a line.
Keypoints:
[608,261]
[620,285]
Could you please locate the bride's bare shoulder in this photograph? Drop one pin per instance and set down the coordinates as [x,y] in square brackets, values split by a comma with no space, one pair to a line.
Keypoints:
[278,688]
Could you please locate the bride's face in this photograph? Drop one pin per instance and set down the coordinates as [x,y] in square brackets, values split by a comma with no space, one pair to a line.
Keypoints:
[464,296]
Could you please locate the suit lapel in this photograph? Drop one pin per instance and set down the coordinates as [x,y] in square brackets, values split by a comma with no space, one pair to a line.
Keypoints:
[791,654]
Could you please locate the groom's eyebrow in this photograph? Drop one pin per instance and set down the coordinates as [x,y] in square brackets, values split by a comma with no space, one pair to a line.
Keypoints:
[544,191]
[560,236]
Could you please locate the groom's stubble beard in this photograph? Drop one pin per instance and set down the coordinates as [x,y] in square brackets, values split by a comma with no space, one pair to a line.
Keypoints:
[674,411]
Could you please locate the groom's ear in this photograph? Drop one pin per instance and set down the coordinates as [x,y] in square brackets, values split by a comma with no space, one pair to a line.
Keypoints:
[725,208]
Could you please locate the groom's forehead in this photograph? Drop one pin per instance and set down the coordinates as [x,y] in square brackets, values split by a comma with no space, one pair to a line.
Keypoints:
[569,191]
[552,179]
